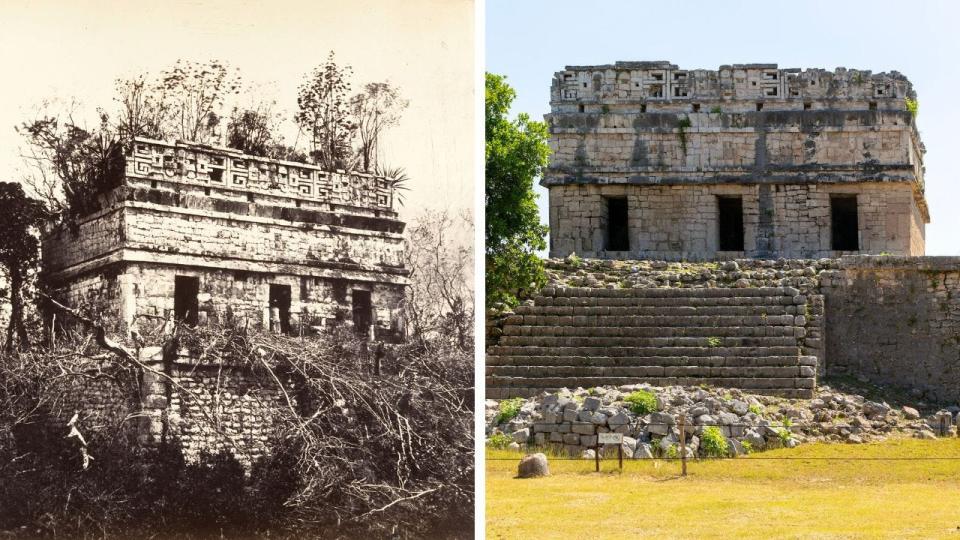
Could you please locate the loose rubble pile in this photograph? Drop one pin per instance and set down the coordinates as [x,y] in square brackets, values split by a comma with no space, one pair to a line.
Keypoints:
[576,272]
[569,421]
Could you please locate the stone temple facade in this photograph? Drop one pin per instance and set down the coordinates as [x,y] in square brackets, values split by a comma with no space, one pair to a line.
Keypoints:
[202,234]
[748,227]
[653,161]
[196,232]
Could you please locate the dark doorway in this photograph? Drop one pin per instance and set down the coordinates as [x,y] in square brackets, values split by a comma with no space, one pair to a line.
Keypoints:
[730,211]
[185,305]
[280,299]
[618,237]
[362,311]
[845,228]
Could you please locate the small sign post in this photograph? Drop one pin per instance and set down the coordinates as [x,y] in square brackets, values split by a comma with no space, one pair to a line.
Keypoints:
[610,438]
[683,444]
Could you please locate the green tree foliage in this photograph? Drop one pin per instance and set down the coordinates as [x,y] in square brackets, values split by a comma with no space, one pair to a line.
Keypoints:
[19,252]
[516,153]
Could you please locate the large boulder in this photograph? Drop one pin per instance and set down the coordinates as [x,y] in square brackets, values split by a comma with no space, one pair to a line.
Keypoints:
[533,466]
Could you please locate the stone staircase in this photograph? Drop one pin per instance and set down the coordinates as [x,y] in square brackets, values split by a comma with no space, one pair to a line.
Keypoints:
[747,338]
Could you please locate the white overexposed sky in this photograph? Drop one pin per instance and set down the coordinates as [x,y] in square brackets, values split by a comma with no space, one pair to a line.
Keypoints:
[66,50]
[528,41]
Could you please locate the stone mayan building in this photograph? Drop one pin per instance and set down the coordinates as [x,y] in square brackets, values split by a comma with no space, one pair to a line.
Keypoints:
[811,181]
[194,232]
[202,234]
[654,161]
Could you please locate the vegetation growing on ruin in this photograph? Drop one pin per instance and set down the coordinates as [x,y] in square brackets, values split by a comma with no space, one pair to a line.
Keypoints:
[70,161]
[499,440]
[682,126]
[713,443]
[509,409]
[641,401]
[516,153]
[361,454]
[912,106]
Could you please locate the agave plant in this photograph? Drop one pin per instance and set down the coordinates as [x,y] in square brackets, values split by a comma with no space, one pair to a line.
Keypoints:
[398,180]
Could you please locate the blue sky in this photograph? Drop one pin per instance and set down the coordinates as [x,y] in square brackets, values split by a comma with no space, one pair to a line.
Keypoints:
[530,40]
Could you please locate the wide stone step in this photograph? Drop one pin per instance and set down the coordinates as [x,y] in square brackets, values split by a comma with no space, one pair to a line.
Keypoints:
[637,361]
[654,331]
[654,320]
[667,292]
[580,372]
[656,301]
[673,311]
[494,392]
[747,383]
[665,341]
[501,350]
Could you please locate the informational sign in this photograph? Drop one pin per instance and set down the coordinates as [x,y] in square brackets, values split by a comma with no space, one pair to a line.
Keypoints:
[610,438]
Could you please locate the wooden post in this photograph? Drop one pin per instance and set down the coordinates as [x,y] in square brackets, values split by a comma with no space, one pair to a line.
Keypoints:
[596,456]
[620,456]
[683,445]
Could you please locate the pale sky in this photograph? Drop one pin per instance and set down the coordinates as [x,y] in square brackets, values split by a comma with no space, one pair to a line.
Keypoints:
[528,41]
[76,49]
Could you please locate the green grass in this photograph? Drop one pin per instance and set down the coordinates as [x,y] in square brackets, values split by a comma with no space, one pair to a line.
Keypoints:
[753,497]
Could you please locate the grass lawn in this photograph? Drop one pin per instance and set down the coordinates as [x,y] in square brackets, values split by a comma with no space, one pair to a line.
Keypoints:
[749,497]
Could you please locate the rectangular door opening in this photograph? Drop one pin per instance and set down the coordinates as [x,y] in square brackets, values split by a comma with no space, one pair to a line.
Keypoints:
[362,311]
[280,307]
[618,236]
[730,212]
[844,225]
[185,304]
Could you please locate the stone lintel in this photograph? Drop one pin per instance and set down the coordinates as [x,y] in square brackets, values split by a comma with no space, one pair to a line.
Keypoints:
[395,276]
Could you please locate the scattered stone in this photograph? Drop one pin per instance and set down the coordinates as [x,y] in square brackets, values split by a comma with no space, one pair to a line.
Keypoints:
[910,413]
[643,451]
[533,465]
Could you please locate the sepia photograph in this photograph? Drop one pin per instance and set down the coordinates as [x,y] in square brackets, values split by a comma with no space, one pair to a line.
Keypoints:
[237,269]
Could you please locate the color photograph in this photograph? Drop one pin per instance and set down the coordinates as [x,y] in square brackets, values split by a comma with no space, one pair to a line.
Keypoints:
[720,269]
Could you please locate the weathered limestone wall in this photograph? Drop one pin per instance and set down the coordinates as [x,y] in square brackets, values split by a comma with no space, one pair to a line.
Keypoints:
[212,234]
[315,301]
[94,236]
[896,321]
[201,407]
[893,320]
[214,408]
[671,140]
[680,222]
[628,144]
[240,224]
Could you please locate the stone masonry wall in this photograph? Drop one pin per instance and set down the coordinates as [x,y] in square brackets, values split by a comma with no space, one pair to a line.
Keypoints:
[215,408]
[891,320]
[194,232]
[681,221]
[315,301]
[896,321]
[784,139]
[93,236]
